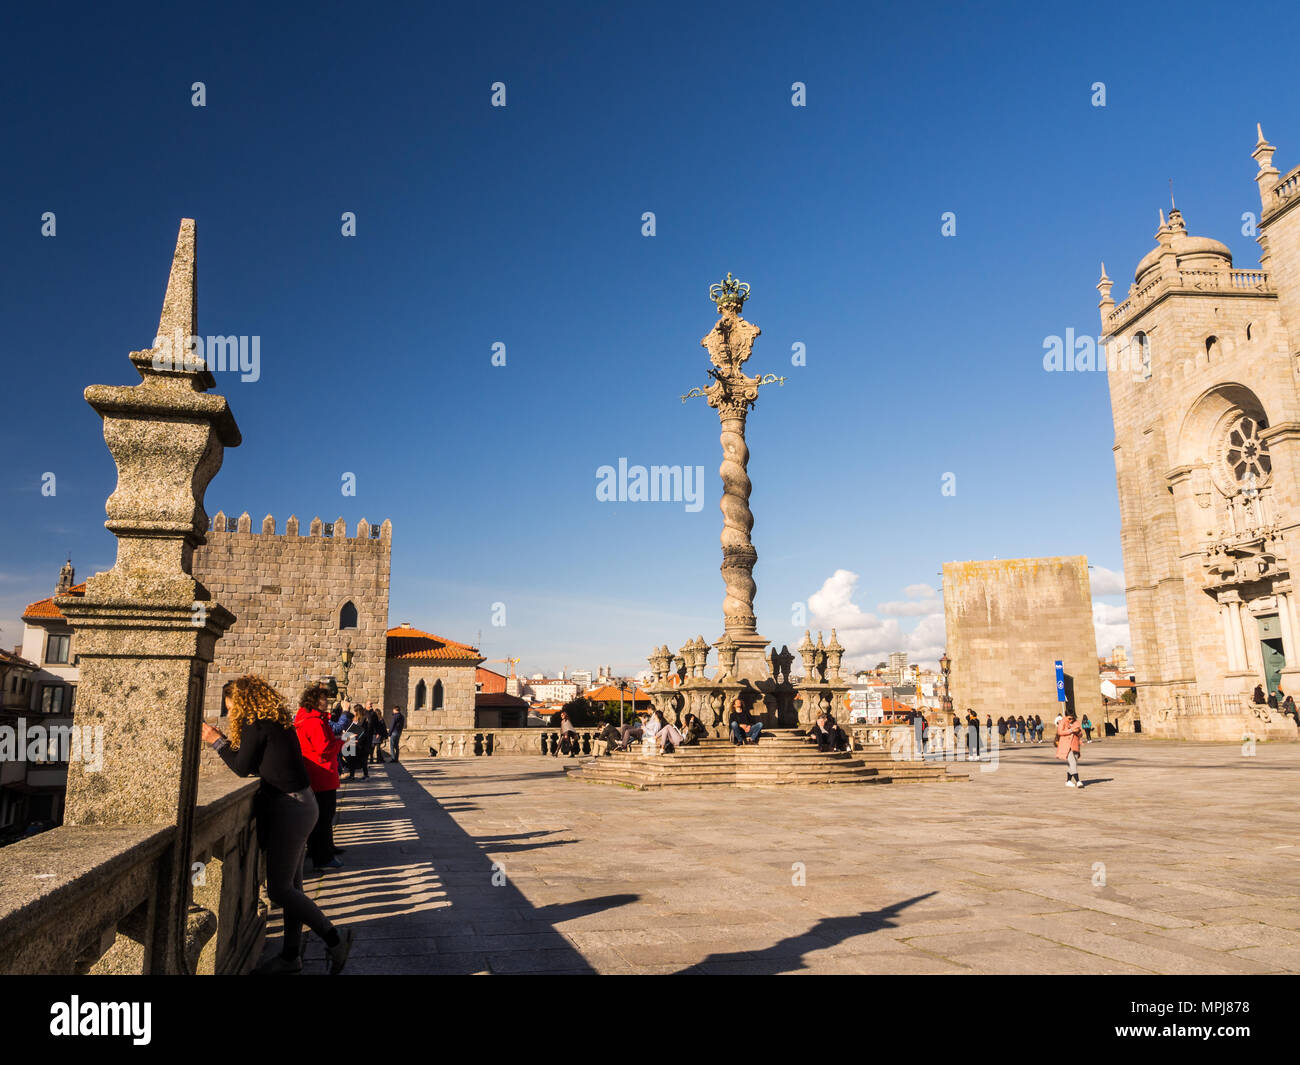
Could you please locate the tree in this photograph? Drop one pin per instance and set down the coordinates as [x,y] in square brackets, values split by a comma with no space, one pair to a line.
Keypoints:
[580,711]
[881,665]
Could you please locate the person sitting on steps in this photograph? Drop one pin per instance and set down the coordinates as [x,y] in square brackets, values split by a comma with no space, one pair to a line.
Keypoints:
[693,731]
[743,725]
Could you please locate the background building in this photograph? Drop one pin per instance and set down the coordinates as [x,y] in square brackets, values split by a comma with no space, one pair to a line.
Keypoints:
[1008,622]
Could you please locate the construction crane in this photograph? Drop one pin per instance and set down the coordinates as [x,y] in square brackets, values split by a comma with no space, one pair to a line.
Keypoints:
[512,662]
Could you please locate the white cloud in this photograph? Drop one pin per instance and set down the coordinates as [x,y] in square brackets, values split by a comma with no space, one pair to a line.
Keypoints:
[869,639]
[1106,581]
[1110,623]
[908,609]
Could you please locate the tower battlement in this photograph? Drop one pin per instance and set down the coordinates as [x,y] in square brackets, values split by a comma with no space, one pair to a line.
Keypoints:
[336,530]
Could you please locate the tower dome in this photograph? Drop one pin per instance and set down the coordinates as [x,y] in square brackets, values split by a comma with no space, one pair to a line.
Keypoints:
[1190,253]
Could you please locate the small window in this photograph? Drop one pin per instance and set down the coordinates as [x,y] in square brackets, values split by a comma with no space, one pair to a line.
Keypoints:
[1143,356]
[437,695]
[420,691]
[1211,348]
[52,699]
[348,616]
[56,650]
[1250,330]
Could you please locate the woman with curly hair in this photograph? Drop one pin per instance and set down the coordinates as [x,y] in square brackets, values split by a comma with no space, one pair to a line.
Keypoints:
[263,742]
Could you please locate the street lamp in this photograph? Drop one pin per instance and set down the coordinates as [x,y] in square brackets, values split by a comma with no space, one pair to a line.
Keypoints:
[345,659]
[945,667]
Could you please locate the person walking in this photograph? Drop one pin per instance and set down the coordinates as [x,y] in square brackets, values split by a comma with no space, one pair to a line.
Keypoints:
[1022,729]
[972,736]
[1011,730]
[1002,731]
[988,732]
[263,742]
[918,734]
[1067,747]
[320,756]
[395,731]
[1087,728]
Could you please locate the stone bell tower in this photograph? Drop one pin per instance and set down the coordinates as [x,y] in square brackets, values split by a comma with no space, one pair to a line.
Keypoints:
[1202,370]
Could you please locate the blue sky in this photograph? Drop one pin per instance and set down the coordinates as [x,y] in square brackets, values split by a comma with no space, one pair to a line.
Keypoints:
[523,225]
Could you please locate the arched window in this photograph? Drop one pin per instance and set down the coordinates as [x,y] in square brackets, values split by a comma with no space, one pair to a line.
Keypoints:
[419,695]
[348,616]
[437,695]
[1211,348]
[1143,343]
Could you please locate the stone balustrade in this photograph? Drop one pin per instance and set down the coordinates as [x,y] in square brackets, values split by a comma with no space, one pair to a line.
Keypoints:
[1228,280]
[1283,192]
[483,742]
[84,899]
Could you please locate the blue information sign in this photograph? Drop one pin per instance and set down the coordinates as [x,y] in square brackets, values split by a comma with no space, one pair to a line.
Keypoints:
[1060,681]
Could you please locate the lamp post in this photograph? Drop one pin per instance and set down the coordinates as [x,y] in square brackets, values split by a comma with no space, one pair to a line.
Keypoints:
[345,659]
[945,667]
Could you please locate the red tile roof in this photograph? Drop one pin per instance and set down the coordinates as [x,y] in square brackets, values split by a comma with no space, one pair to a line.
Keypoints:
[45,608]
[609,693]
[407,643]
[491,681]
[11,658]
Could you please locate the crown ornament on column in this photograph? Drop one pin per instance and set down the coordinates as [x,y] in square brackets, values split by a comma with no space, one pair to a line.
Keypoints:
[729,294]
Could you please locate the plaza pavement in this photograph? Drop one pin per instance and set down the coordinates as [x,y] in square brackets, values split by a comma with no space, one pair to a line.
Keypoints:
[1175,858]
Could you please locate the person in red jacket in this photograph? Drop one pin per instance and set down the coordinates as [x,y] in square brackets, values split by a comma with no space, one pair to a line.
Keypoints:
[320,755]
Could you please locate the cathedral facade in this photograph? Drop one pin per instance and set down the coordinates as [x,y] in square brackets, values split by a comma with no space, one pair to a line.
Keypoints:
[1203,362]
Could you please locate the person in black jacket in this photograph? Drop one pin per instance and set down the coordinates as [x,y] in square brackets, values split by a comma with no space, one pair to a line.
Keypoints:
[361,736]
[380,733]
[264,743]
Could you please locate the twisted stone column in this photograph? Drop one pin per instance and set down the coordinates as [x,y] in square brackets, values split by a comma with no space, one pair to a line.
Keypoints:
[738,553]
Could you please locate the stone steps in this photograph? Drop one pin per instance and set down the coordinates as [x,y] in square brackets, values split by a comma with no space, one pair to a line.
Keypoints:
[780,759]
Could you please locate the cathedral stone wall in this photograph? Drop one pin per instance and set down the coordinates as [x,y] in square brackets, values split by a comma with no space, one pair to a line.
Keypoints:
[1207,462]
[287,592]
[1008,622]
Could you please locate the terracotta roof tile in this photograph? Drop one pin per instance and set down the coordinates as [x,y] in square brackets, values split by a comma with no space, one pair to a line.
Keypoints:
[45,608]
[492,681]
[609,693]
[12,659]
[411,644]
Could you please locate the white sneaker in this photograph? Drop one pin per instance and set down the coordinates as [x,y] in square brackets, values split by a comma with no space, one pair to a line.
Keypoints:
[1069,783]
[1078,783]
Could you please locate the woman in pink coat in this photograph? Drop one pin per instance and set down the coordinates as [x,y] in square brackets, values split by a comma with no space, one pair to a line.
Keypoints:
[1067,747]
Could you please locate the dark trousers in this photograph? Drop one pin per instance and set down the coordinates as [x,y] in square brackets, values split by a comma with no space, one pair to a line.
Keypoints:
[290,823]
[320,844]
[360,760]
[395,743]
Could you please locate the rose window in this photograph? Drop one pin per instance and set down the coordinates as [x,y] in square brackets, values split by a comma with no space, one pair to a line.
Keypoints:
[1245,455]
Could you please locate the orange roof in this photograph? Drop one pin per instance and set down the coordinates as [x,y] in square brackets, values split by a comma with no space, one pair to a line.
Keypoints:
[408,643]
[45,608]
[492,681]
[609,693]
[15,659]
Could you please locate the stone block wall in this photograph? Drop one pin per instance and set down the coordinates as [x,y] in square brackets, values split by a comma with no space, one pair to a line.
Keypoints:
[1008,621]
[287,592]
[458,690]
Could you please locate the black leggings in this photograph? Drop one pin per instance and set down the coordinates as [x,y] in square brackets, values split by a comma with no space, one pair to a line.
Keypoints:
[320,844]
[291,819]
